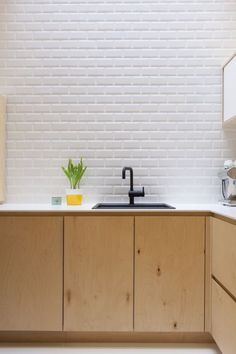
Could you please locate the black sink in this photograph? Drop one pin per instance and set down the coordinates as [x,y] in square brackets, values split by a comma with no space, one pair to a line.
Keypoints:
[132,206]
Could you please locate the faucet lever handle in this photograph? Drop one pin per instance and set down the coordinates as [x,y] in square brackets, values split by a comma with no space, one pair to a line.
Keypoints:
[143,192]
[137,193]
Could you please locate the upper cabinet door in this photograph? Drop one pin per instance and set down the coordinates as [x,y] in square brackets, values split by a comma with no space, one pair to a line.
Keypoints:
[169,278]
[3,103]
[98,273]
[229,89]
[31,260]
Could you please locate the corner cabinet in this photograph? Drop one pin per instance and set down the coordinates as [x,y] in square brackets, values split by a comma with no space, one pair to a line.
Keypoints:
[169,273]
[31,270]
[98,273]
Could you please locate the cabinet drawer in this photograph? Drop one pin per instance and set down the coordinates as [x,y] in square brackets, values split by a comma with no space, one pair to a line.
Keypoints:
[223,319]
[224,253]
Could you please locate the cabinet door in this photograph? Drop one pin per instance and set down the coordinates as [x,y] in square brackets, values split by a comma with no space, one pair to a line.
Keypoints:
[224,253]
[31,260]
[98,273]
[169,277]
[223,319]
[3,105]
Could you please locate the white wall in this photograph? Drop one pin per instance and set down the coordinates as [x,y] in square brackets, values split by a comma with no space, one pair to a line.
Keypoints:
[119,82]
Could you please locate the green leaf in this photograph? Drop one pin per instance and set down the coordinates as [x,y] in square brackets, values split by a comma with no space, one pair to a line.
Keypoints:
[74,173]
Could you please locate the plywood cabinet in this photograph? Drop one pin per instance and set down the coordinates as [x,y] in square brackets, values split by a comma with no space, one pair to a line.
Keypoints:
[98,294]
[224,253]
[223,319]
[102,273]
[31,261]
[169,273]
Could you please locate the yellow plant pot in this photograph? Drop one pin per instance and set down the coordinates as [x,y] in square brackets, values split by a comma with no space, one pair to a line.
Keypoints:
[74,197]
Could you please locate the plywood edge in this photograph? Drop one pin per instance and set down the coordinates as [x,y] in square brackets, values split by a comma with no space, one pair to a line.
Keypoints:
[3,103]
[102,337]
[229,123]
[228,61]
[224,218]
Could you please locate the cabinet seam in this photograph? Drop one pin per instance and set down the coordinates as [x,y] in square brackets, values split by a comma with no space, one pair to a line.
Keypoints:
[134,273]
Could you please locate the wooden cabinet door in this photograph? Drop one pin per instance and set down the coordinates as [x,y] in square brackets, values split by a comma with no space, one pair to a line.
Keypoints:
[98,273]
[169,273]
[224,253]
[223,319]
[31,260]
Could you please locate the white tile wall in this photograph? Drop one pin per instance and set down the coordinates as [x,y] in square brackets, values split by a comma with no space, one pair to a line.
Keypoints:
[119,82]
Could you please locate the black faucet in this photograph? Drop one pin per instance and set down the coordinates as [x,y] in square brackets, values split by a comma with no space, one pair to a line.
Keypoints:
[132,193]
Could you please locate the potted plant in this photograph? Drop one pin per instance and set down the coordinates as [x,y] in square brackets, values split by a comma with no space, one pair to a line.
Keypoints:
[74,173]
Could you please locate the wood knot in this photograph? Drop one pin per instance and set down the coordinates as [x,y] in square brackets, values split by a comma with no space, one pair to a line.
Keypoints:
[175,325]
[158,271]
[139,251]
[127,297]
[68,296]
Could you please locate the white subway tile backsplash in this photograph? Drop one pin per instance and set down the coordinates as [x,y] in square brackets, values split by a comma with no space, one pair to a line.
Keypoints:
[120,83]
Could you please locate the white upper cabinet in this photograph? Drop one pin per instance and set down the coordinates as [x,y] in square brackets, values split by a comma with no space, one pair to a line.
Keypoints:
[229,92]
[2,146]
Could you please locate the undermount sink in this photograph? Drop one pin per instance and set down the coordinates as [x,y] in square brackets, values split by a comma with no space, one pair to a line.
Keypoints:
[132,206]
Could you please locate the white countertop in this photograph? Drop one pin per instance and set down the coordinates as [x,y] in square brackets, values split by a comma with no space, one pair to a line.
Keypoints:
[226,211]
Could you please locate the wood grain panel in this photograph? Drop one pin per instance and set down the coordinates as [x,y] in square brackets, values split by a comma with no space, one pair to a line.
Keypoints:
[31,258]
[169,278]
[223,319]
[98,274]
[224,253]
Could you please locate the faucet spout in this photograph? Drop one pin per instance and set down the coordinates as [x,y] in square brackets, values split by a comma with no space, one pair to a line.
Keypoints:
[131,176]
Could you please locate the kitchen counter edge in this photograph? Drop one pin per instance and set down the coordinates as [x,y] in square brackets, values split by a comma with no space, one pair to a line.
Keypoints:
[217,210]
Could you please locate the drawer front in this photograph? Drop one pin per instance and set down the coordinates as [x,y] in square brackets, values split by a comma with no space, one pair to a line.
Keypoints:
[224,253]
[223,319]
